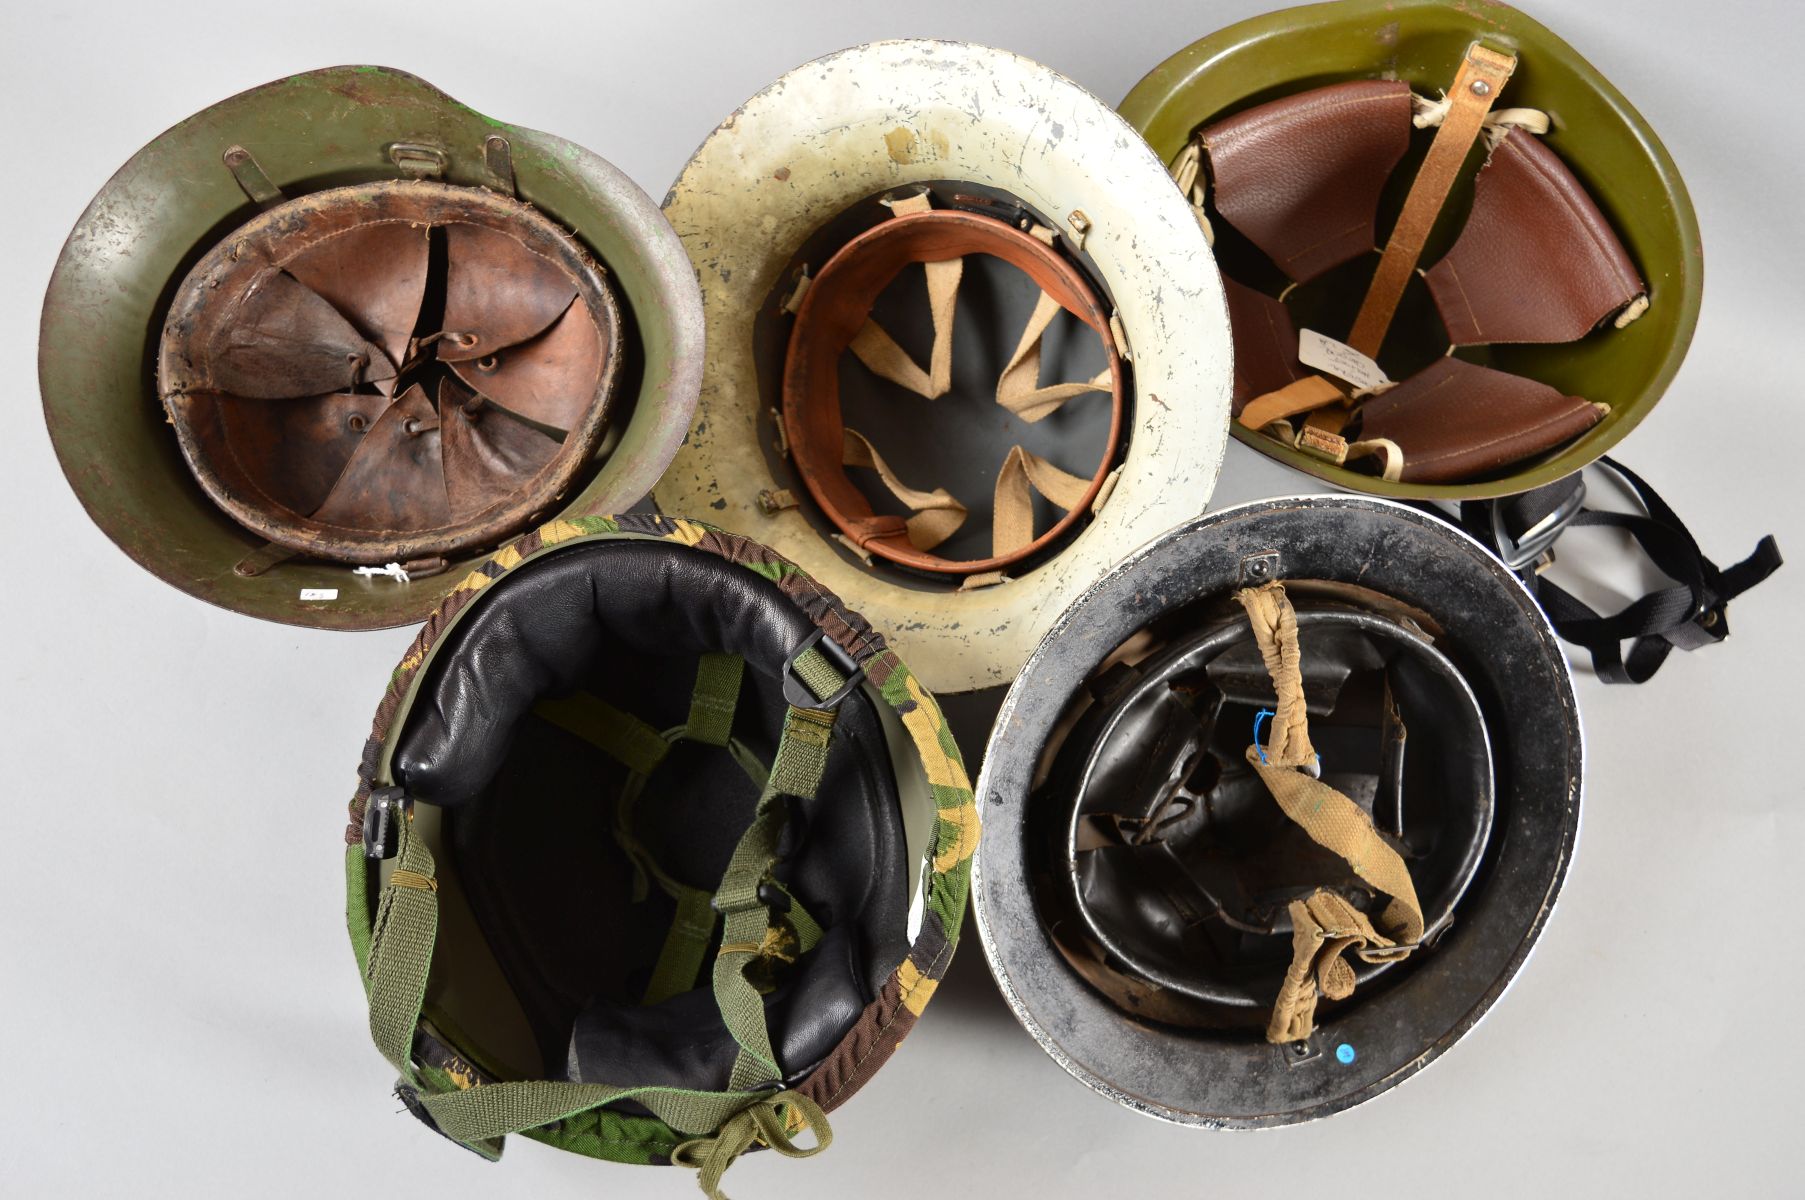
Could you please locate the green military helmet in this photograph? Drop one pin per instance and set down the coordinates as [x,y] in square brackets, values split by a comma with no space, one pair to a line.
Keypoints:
[341,326]
[658,850]
[1566,156]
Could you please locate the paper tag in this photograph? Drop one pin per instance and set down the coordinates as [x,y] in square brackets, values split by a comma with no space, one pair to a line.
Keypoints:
[319,593]
[1339,359]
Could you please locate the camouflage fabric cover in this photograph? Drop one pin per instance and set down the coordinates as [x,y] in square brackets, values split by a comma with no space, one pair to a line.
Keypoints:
[881,1027]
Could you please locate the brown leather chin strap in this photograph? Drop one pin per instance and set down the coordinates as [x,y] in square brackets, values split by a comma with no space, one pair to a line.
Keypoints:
[835,316]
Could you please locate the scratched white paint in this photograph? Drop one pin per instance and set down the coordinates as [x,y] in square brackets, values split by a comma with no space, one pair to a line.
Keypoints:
[821,139]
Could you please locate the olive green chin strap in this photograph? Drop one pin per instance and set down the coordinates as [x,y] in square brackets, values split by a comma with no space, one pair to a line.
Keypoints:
[725,1124]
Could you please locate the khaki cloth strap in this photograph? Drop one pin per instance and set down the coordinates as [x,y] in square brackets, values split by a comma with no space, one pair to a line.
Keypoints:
[1019,390]
[879,351]
[936,515]
[1324,926]
[1482,75]
[1012,516]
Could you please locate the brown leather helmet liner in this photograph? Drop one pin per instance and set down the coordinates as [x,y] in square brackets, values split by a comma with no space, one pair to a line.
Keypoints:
[307,395]
[1536,260]
[1265,343]
[1301,176]
[838,304]
[1454,420]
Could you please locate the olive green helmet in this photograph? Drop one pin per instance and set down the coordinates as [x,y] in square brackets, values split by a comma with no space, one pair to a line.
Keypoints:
[1612,154]
[250,369]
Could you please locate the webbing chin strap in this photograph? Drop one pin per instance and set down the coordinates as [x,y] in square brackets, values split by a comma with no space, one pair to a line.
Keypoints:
[1324,926]
[722,1125]
[1694,612]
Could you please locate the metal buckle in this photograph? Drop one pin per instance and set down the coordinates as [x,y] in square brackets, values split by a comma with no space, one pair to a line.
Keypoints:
[382,814]
[798,692]
[1520,554]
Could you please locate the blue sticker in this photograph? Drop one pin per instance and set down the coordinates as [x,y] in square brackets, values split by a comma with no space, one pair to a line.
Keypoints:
[1344,1052]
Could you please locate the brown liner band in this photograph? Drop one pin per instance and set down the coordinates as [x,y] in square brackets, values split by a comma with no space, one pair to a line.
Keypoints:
[837,305]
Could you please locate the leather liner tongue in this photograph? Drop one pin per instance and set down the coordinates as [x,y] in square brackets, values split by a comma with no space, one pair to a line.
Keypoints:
[549,378]
[497,293]
[486,453]
[300,447]
[373,274]
[396,479]
[285,340]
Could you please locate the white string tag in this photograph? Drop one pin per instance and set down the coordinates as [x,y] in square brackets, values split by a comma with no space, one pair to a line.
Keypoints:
[393,571]
[1341,360]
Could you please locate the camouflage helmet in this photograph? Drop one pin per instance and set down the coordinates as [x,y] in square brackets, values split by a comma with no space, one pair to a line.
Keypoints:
[658,849]
[1277,811]
[873,233]
[268,359]
[1560,278]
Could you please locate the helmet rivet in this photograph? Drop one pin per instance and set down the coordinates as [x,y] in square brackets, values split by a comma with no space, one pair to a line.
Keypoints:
[1481,88]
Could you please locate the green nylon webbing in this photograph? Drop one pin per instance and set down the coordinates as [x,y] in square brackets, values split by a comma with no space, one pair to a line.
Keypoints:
[401,943]
[620,735]
[491,1110]
[716,695]
[680,961]
[823,678]
[796,771]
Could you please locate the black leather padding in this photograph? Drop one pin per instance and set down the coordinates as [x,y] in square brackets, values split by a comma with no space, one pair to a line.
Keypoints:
[528,807]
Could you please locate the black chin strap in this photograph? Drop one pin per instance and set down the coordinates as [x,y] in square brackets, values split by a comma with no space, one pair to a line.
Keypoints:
[1692,613]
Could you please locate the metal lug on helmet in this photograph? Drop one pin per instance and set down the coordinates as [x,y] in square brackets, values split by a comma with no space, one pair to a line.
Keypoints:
[1526,551]
[382,815]
[1260,568]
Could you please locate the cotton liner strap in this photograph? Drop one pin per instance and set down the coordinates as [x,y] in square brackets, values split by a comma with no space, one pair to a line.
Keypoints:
[1018,388]
[935,516]
[1324,926]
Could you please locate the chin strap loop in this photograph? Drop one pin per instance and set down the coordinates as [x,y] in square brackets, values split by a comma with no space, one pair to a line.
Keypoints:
[770,1121]
[1694,612]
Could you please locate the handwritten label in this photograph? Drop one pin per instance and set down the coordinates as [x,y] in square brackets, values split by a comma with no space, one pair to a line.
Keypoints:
[319,593]
[1339,359]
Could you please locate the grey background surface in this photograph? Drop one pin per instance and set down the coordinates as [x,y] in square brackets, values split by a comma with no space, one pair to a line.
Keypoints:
[179,1010]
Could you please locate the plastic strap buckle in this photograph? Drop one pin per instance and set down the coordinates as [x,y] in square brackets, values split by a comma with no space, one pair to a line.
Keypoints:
[798,692]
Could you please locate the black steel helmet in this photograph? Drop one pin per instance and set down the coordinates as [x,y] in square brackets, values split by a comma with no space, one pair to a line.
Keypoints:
[1277,810]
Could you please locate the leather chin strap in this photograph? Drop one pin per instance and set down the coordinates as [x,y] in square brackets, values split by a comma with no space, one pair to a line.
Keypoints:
[1694,612]
[834,316]
[1324,925]
[722,1125]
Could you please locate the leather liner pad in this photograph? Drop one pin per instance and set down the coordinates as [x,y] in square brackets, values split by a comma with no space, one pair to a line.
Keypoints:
[1536,260]
[1301,176]
[1455,420]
